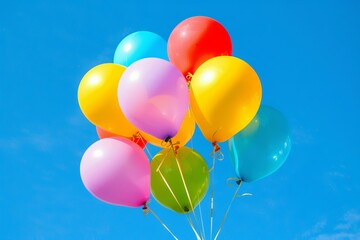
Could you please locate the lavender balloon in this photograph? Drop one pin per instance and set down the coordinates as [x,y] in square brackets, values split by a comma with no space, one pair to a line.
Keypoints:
[116,171]
[154,97]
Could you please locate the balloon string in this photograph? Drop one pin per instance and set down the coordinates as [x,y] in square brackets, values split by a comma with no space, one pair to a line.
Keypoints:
[239,182]
[192,227]
[162,161]
[138,137]
[202,222]
[212,194]
[232,179]
[169,188]
[216,154]
[168,145]
[177,201]
[147,209]
[200,208]
[188,79]
[184,183]
[182,175]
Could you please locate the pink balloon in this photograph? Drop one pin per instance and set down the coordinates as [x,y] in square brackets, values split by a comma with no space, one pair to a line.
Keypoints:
[116,171]
[154,97]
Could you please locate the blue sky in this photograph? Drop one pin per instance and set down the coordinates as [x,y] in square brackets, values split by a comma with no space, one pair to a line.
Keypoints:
[307,54]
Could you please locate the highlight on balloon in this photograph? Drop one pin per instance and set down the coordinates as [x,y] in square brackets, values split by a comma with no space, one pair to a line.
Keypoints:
[156,92]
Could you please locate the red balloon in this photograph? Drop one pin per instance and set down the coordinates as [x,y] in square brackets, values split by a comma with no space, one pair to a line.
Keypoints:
[138,139]
[196,40]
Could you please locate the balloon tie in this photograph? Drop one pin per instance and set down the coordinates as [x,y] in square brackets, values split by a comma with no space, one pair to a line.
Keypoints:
[216,146]
[145,209]
[148,209]
[238,182]
[138,137]
[216,154]
[229,181]
[189,77]
[167,144]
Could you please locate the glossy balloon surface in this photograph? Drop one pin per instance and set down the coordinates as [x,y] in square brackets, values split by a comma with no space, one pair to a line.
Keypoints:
[166,178]
[262,147]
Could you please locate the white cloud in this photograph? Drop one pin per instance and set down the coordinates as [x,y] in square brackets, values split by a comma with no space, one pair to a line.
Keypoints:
[318,227]
[347,228]
[339,236]
[41,141]
[351,221]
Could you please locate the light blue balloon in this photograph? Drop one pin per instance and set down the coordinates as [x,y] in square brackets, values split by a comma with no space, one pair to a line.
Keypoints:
[262,147]
[139,45]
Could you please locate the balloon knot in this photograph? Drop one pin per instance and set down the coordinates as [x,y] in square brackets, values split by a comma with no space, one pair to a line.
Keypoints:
[176,148]
[188,78]
[237,181]
[216,147]
[136,137]
[145,209]
[167,139]
[216,153]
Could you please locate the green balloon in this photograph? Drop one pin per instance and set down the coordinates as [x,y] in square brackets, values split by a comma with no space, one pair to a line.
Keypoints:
[166,183]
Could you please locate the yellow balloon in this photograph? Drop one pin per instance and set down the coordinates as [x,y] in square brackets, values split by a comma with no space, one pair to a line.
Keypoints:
[185,133]
[97,96]
[225,94]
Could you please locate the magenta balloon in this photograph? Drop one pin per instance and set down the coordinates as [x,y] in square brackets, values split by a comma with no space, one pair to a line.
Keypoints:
[116,171]
[154,97]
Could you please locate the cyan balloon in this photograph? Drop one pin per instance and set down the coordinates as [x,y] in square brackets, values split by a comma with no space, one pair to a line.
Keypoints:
[139,45]
[262,146]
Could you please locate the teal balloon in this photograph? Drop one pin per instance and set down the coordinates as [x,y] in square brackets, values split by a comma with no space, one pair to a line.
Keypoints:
[262,146]
[139,45]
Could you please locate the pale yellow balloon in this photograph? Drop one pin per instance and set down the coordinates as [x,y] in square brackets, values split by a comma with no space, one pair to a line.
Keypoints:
[185,133]
[97,96]
[225,94]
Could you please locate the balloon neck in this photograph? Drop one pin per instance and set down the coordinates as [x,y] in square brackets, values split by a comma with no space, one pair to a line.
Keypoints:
[186,209]
[145,209]
[216,146]
[238,182]
[136,137]
[174,146]
[188,77]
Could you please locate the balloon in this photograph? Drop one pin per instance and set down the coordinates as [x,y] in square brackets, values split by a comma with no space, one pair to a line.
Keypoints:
[116,171]
[262,147]
[154,96]
[225,94]
[97,96]
[138,45]
[137,138]
[196,40]
[185,133]
[195,172]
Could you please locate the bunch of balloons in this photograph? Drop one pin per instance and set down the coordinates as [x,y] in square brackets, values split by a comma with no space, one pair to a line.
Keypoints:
[155,92]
